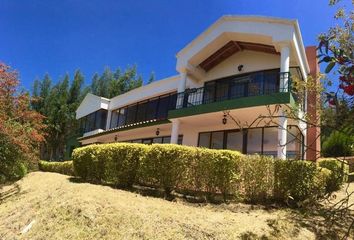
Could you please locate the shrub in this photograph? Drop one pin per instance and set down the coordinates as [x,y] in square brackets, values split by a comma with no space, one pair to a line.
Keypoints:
[257,178]
[58,167]
[298,180]
[197,170]
[338,144]
[339,173]
[115,163]
[165,165]
[215,171]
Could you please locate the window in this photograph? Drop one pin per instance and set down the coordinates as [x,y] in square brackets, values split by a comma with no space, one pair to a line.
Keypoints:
[204,140]
[238,87]
[234,141]
[254,140]
[255,86]
[217,139]
[93,121]
[271,82]
[142,107]
[163,107]
[151,109]
[122,116]
[114,119]
[294,146]
[209,92]
[270,141]
[222,90]
[131,114]
[166,139]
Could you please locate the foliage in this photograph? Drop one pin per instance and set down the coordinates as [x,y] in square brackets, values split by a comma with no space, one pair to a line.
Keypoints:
[336,49]
[257,178]
[172,167]
[339,173]
[164,165]
[21,129]
[298,181]
[115,163]
[338,144]
[65,167]
[59,102]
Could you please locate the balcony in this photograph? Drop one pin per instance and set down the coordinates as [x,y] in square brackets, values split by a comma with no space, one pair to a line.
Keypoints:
[247,90]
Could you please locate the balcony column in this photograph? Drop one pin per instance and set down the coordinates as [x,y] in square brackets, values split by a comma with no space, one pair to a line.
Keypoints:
[282,135]
[182,82]
[284,68]
[175,130]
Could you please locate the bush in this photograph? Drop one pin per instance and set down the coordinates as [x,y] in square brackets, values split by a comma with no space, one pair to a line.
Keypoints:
[12,161]
[298,180]
[215,171]
[338,144]
[172,167]
[165,165]
[58,167]
[258,178]
[339,173]
[115,163]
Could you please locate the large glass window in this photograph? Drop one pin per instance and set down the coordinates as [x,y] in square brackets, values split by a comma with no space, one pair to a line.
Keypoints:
[209,92]
[270,141]
[263,140]
[122,116]
[204,140]
[142,107]
[162,108]
[131,114]
[93,121]
[294,146]
[114,118]
[165,139]
[217,140]
[151,109]
[254,140]
[234,141]
[222,90]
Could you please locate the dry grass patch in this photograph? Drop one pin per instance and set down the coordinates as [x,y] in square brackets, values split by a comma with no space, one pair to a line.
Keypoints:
[63,209]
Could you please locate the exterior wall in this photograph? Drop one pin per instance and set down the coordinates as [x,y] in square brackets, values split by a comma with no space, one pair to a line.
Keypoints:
[313,140]
[90,104]
[145,92]
[252,61]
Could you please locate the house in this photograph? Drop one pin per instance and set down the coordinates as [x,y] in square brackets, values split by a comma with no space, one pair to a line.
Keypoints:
[237,71]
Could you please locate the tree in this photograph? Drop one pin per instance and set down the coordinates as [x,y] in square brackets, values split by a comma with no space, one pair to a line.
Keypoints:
[151,78]
[336,49]
[21,128]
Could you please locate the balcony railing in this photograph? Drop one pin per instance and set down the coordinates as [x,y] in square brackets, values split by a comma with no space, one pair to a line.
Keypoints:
[255,84]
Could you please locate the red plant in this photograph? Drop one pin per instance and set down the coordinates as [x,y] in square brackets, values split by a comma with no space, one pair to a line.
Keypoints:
[19,124]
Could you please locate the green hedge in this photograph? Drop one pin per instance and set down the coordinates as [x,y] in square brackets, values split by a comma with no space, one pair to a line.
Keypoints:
[115,163]
[172,167]
[58,167]
[339,172]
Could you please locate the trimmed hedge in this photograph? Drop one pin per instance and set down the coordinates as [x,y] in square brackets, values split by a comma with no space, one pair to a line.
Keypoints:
[252,178]
[339,173]
[58,167]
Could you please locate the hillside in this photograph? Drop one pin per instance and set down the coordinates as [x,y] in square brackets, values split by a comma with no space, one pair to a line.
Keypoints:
[56,207]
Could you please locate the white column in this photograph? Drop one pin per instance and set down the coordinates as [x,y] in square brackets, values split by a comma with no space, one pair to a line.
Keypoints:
[282,135]
[108,122]
[182,82]
[284,67]
[175,130]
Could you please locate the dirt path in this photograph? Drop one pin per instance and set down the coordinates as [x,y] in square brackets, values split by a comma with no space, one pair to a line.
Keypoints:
[58,208]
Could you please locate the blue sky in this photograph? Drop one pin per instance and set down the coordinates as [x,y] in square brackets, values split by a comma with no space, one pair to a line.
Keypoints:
[55,37]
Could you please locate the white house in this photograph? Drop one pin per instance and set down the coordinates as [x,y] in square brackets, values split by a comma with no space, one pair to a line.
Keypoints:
[237,70]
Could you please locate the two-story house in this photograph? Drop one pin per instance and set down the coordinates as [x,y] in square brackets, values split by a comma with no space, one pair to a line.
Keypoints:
[237,70]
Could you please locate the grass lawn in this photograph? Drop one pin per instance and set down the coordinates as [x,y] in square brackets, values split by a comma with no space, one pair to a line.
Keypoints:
[59,208]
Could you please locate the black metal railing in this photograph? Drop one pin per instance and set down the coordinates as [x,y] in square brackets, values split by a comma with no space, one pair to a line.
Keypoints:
[256,84]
